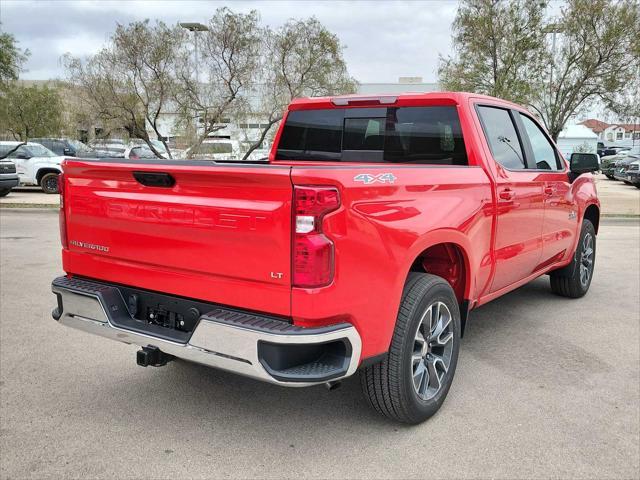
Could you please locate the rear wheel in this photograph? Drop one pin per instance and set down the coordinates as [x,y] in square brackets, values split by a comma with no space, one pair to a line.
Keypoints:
[4,192]
[49,183]
[413,380]
[574,281]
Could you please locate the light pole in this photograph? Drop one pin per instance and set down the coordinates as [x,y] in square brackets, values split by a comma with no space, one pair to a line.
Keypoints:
[553,29]
[195,27]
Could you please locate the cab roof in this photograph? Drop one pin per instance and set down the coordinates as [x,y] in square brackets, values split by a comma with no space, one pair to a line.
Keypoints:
[398,99]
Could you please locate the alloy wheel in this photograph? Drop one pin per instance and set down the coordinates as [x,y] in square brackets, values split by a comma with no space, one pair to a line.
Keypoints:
[586,260]
[432,350]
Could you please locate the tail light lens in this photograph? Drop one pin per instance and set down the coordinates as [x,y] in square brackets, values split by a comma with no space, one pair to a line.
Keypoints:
[62,214]
[313,252]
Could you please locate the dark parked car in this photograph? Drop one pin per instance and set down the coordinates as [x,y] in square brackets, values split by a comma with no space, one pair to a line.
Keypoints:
[614,150]
[65,147]
[608,165]
[633,174]
[624,165]
[601,149]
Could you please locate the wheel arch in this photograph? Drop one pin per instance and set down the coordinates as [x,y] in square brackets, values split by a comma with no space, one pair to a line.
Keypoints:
[592,213]
[43,171]
[449,259]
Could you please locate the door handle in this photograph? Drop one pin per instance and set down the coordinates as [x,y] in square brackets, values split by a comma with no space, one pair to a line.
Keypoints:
[155,179]
[506,194]
[549,190]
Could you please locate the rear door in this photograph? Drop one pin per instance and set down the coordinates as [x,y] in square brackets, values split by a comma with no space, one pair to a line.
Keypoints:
[19,157]
[519,199]
[214,232]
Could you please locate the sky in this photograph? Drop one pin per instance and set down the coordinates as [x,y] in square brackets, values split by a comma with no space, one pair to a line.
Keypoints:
[382,40]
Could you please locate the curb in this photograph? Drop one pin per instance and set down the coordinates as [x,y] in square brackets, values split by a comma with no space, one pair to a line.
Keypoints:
[28,205]
[32,208]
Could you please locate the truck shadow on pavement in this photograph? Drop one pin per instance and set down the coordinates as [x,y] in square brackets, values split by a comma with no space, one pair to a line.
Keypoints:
[513,335]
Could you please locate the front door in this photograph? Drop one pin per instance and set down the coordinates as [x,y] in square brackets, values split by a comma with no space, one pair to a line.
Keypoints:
[560,210]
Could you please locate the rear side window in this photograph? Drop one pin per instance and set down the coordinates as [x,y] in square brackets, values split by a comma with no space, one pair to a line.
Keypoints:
[420,135]
[502,137]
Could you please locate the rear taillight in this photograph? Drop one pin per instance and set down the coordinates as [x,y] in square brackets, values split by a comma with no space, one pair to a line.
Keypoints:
[62,215]
[313,252]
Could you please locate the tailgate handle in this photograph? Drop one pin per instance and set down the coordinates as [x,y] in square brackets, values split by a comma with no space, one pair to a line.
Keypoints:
[155,179]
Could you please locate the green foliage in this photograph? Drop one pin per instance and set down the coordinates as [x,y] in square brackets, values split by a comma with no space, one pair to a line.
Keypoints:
[498,48]
[11,60]
[558,67]
[301,58]
[146,71]
[131,81]
[30,111]
[594,59]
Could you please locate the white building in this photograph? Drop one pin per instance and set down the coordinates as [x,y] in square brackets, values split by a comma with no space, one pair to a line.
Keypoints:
[614,134]
[577,138]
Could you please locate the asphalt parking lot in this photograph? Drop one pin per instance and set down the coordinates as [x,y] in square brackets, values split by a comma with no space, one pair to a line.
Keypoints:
[545,387]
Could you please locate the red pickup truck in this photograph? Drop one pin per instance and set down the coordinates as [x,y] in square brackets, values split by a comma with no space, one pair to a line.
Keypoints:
[376,226]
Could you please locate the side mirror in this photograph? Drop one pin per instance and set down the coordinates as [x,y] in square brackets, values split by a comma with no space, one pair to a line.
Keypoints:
[584,162]
[23,156]
[67,151]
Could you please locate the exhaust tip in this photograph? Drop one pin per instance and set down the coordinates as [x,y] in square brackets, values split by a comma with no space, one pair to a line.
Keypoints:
[333,385]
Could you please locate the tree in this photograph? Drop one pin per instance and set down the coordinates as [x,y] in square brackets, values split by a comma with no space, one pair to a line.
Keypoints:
[30,111]
[626,102]
[11,60]
[132,80]
[510,49]
[594,61]
[498,48]
[229,60]
[300,58]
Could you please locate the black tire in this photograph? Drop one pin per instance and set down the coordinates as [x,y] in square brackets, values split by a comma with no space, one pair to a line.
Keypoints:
[570,281]
[637,185]
[610,177]
[49,183]
[4,192]
[389,385]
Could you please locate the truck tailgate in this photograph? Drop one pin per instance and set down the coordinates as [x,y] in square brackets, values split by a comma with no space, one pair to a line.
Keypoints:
[221,233]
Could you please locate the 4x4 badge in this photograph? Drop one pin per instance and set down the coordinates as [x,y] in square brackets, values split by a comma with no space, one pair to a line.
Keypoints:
[368,178]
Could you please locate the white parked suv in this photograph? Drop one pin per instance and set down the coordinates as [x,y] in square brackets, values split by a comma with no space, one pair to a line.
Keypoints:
[36,165]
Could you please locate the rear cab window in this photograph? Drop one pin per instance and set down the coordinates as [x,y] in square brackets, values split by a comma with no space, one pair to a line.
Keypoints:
[428,135]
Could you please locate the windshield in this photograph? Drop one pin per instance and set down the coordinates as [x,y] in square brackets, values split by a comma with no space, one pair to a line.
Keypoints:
[158,145]
[37,150]
[79,146]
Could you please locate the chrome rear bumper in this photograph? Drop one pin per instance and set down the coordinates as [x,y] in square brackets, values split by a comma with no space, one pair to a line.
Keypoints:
[255,346]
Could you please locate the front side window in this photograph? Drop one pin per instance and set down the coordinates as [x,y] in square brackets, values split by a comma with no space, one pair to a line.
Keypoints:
[415,135]
[502,137]
[544,154]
